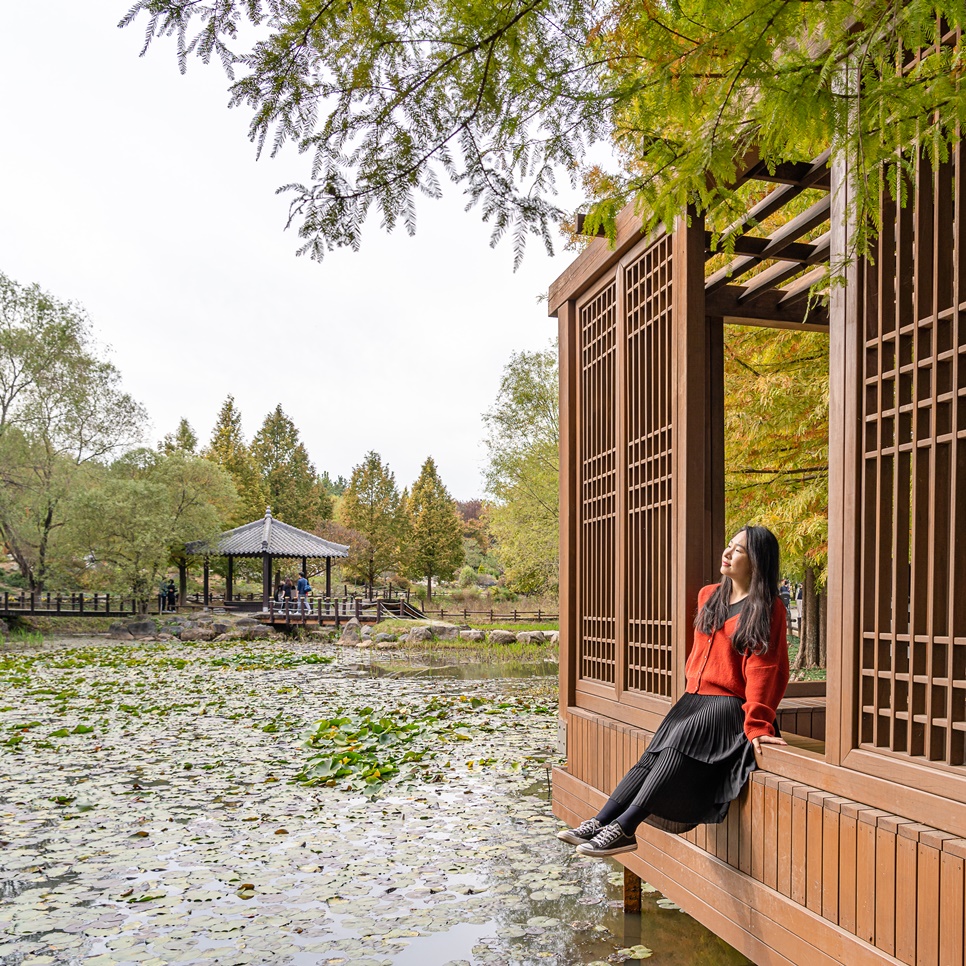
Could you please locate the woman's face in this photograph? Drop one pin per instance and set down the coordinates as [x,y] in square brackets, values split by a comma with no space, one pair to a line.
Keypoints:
[735,561]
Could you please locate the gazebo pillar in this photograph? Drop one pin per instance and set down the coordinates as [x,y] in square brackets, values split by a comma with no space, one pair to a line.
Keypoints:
[266,580]
[182,581]
[328,576]
[206,581]
[229,578]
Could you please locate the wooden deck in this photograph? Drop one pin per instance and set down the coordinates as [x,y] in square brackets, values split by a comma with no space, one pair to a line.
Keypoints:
[795,874]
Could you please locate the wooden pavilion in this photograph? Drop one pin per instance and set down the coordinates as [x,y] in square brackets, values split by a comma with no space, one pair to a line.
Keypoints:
[268,539]
[849,845]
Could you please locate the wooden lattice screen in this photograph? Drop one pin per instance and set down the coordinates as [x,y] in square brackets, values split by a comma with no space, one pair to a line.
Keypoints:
[598,486]
[912,475]
[647,368]
[625,477]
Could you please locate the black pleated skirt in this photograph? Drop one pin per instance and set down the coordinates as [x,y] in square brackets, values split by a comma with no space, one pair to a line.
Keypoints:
[695,766]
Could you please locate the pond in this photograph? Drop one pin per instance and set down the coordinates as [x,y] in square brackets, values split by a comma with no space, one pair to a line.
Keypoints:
[150,815]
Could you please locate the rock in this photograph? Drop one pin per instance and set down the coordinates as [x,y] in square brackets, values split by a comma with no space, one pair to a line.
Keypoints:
[531,637]
[220,628]
[444,632]
[247,622]
[254,632]
[197,634]
[502,637]
[119,632]
[351,632]
[142,628]
[366,632]
[472,635]
[419,634]
[366,642]
[553,637]
[4,628]
[383,638]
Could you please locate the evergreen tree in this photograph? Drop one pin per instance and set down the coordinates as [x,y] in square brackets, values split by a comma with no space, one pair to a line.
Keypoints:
[371,505]
[387,100]
[183,438]
[436,529]
[230,451]
[291,482]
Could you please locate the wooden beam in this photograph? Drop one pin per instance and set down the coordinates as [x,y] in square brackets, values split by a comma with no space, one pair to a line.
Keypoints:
[806,253]
[768,308]
[777,243]
[791,172]
[780,197]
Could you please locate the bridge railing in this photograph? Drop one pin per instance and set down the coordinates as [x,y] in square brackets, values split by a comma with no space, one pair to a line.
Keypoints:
[77,604]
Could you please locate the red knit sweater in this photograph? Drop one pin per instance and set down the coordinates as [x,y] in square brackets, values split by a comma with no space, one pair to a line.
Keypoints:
[715,667]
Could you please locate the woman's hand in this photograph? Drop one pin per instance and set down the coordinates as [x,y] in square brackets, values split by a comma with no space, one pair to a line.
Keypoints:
[766,740]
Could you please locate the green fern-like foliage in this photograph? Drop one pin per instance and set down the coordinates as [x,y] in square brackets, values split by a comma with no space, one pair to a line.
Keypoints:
[389,100]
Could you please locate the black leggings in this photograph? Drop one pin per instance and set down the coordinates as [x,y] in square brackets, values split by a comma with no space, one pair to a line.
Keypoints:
[667,783]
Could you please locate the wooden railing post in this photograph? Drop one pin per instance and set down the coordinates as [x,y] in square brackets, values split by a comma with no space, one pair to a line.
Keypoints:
[80,602]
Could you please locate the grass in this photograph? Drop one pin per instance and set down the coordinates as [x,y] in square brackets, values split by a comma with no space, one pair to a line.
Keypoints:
[62,626]
[805,674]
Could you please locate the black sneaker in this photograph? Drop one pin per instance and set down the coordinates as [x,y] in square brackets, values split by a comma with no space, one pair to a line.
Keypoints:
[582,833]
[610,840]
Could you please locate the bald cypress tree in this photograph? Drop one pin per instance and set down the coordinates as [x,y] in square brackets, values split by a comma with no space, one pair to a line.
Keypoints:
[229,450]
[436,530]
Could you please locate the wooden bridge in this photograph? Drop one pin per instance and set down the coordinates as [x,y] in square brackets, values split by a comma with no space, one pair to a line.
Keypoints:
[319,612]
[69,605]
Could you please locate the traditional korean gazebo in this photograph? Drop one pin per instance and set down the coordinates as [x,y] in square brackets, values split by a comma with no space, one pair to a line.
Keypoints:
[269,539]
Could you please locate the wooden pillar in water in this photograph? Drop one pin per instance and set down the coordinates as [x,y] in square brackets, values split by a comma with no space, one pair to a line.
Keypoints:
[632,891]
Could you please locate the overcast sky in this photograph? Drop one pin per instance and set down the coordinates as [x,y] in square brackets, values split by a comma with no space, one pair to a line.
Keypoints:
[134,191]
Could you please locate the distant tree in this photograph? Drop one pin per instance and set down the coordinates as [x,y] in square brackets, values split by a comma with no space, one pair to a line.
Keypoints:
[147,503]
[522,442]
[334,487]
[776,454]
[291,482]
[62,410]
[371,506]
[183,438]
[436,530]
[229,450]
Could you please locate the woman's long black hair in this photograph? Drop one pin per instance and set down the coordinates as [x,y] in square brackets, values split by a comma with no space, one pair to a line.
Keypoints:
[754,625]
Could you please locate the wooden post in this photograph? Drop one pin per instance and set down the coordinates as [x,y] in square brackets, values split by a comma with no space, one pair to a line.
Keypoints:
[358,608]
[632,891]
[107,603]
[182,580]
[266,580]
[336,615]
[305,567]
[378,611]
[205,581]
[80,602]
[328,577]
[229,579]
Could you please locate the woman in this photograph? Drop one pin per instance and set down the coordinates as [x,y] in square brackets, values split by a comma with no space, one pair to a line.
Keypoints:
[704,750]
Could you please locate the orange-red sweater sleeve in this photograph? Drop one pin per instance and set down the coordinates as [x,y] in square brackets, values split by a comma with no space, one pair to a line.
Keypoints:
[766,677]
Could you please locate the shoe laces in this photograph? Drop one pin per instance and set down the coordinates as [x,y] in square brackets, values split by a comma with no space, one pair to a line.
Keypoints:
[608,835]
[589,827]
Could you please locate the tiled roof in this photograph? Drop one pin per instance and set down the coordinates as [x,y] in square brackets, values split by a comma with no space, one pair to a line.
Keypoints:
[273,537]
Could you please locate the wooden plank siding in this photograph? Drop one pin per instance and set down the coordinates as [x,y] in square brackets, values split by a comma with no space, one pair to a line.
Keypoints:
[896,888]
